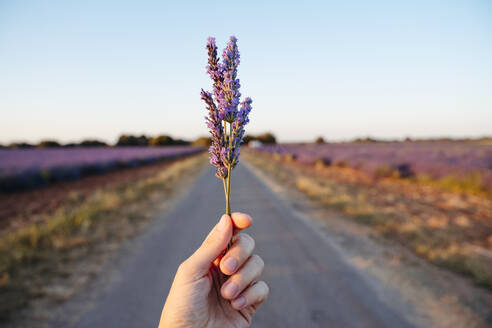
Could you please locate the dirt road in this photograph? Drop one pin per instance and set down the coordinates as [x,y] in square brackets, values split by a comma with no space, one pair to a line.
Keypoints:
[311,282]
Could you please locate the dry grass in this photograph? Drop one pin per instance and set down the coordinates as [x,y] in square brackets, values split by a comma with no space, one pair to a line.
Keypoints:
[450,229]
[471,183]
[35,256]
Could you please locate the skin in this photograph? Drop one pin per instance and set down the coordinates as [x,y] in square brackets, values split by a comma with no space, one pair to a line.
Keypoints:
[213,289]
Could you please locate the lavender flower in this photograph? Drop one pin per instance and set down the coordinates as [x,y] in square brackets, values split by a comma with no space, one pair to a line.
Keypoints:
[223,111]
[213,68]
[215,126]
[238,128]
[230,84]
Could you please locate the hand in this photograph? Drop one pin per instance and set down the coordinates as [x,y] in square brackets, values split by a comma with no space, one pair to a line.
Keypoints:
[203,296]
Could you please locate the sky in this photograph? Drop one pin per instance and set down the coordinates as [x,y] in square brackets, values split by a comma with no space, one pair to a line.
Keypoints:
[72,70]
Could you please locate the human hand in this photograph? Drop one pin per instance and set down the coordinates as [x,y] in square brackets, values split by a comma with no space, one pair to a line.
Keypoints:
[202,296]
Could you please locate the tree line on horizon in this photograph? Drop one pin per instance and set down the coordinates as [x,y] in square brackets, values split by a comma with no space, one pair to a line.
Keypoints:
[321,140]
[127,140]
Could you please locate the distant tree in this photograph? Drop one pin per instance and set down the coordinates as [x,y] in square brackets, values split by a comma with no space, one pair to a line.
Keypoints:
[165,140]
[202,142]
[123,140]
[319,140]
[366,140]
[267,138]
[129,140]
[21,145]
[248,138]
[162,140]
[49,144]
[93,143]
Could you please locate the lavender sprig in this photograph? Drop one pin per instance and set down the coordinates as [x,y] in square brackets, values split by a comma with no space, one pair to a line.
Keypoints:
[223,112]
[230,95]
[215,126]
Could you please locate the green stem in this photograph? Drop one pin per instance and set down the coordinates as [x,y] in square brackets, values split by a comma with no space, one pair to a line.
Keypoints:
[226,184]
[228,193]
[225,187]
[229,173]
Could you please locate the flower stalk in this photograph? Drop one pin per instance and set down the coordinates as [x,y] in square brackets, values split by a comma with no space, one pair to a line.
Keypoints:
[222,106]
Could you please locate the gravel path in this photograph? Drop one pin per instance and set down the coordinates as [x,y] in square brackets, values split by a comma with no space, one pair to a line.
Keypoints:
[311,283]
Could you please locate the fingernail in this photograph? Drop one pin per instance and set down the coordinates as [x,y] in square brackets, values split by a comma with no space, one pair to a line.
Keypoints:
[231,289]
[239,302]
[230,264]
[222,223]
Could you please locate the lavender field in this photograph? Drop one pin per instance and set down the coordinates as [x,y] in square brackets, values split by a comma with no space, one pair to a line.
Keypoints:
[31,167]
[469,162]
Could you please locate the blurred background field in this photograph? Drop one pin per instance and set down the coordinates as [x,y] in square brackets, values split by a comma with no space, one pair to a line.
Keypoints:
[456,165]
[378,112]
[446,219]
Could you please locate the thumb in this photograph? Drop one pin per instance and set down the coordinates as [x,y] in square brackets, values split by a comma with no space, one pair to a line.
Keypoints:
[215,243]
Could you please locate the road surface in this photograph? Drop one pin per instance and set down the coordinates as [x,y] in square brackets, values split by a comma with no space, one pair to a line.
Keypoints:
[311,283]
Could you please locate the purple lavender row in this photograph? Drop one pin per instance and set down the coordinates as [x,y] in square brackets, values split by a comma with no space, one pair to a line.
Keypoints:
[25,168]
[434,159]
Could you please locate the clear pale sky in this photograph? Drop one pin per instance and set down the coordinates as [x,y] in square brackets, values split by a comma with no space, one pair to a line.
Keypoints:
[95,69]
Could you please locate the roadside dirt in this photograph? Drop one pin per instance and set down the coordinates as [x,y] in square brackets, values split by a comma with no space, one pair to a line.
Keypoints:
[440,298]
